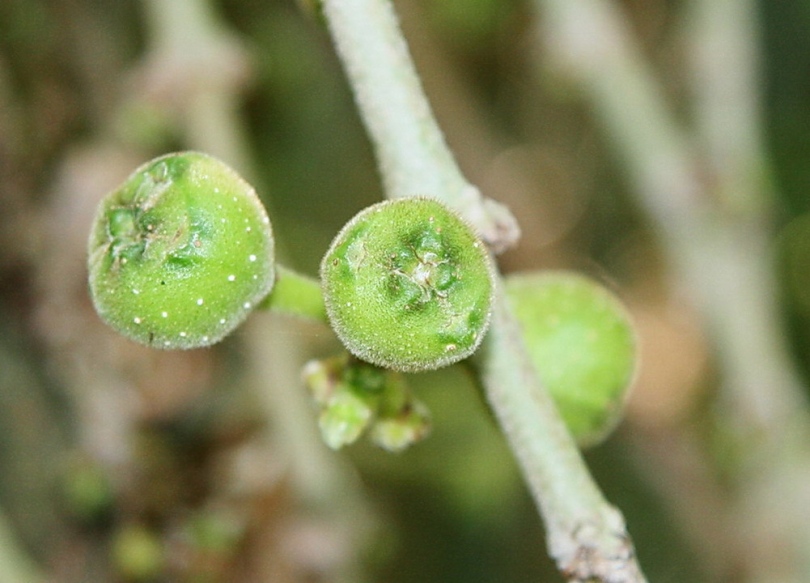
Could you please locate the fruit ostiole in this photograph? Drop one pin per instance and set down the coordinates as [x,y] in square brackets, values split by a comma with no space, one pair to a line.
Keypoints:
[180,253]
[408,285]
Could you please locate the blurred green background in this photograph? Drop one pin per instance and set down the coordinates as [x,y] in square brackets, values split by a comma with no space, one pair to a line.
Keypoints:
[118,463]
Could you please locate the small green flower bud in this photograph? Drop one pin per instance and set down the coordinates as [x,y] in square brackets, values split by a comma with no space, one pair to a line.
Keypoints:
[408,285]
[180,253]
[583,346]
[348,414]
[355,397]
[398,432]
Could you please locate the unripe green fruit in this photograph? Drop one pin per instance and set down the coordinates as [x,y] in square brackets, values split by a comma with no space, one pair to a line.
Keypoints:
[582,344]
[180,253]
[408,285]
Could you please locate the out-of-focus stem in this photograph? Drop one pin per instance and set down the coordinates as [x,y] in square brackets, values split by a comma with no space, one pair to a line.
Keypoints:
[707,196]
[724,81]
[706,239]
[15,565]
[590,44]
[203,68]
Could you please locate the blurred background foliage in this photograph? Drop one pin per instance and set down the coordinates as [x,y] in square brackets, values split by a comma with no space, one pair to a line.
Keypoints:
[118,463]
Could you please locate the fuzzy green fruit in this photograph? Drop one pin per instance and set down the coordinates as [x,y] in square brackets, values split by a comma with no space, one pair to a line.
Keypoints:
[408,285]
[582,344]
[180,253]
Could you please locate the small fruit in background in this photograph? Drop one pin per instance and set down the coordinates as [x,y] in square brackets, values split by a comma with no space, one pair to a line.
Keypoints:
[582,343]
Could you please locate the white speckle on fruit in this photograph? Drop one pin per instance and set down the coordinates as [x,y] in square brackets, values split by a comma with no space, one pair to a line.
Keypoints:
[450,348]
[166,343]
[165,314]
[222,220]
[255,276]
[137,320]
[182,334]
[136,291]
[266,220]
[231,277]
[205,338]
[246,305]
[248,229]
[222,320]
[234,199]
[252,257]
[200,301]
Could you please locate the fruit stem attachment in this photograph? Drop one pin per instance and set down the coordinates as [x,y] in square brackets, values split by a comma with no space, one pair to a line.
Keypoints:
[297,295]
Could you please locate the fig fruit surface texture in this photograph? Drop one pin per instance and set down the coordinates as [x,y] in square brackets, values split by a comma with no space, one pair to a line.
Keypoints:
[408,285]
[180,253]
[581,342]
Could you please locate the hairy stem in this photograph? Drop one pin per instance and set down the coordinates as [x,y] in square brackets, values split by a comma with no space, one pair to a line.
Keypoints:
[587,537]
[411,151]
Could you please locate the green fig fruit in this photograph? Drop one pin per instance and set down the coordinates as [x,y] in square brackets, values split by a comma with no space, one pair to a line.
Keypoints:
[180,253]
[408,285]
[582,344]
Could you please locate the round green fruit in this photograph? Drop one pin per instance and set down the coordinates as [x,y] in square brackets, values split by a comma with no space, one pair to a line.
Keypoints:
[180,253]
[408,285]
[582,344]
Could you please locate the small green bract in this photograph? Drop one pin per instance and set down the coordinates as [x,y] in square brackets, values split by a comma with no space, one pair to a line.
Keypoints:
[582,344]
[180,253]
[408,285]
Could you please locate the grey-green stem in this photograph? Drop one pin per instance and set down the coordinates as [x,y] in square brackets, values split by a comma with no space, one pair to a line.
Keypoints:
[410,147]
[587,536]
